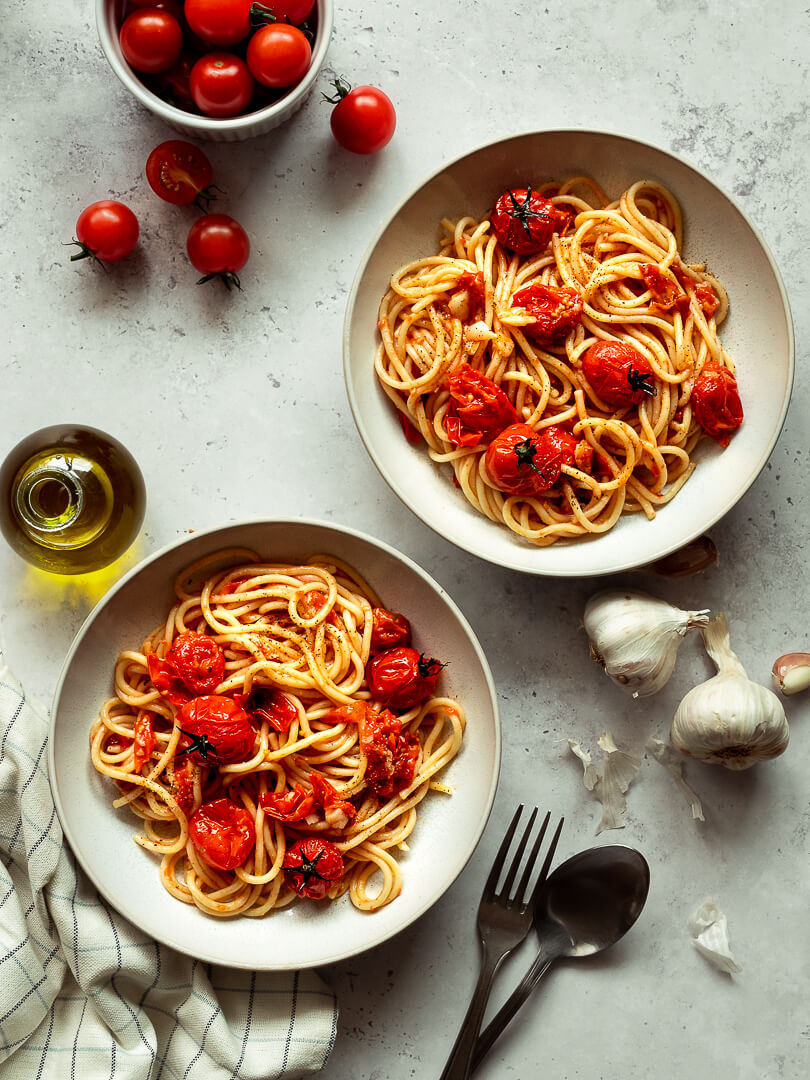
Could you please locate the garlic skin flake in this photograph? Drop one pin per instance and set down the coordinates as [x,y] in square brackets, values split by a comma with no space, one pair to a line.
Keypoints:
[791,672]
[610,781]
[635,637]
[729,720]
[709,930]
[667,757]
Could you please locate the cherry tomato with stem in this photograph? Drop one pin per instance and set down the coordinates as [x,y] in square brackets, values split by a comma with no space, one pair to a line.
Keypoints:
[388,630]
[524,221]
[522,461]
[716,402]
[617,373]
[223,833]
[179,172]
[219,22]
[478,409]
[555,311]
[151,40]
[363,120]
[294,11]
[106,231]
[221,84]
[218,247]
[401,677]
[311,866]
[215,731]
[278,55]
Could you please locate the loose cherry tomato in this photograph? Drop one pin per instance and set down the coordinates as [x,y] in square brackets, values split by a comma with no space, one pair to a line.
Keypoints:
[278,55]
[521,461]
[402,677]
[221,84]
[478,408]
[363,120]
[391,754]
[666,291]
[267,703]
[716,402]
[618,374]
[219,22]
[179,173]
[555,311]
[106,231]
[388,630]
[289,806]
[524,220]
[223,833]
[311,866]
[215,730]
[218,247]
[151,40]
[294,11]
[144,740]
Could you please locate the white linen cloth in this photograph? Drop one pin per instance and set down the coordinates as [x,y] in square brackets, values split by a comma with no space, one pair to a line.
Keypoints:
[84,993]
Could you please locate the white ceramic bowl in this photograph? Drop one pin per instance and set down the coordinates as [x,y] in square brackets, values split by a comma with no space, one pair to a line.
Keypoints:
[229,129]
[758,333]
[303,934]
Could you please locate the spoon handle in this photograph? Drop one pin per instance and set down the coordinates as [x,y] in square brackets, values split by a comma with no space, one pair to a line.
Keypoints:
[502,1018]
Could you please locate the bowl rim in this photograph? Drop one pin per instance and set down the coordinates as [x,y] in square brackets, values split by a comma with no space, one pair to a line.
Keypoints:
[130,911]
[621,565]
[202,124]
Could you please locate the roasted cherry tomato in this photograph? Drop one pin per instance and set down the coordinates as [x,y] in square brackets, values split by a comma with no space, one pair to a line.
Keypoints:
[478,408]
[363,120]
[707,298]
[666,292]
[289,806]
[524,220]
[278,55]
[219,22]
[311,866]
[618,374]
[223,833]
[180,173]
[391,753]
[183,785]
[194,665]
[294,11]
[716,402]
[267,703]
[402,677]
[555,311]
[144,741]
[388,630]
[215,730]
[409,430]
[337,811]
[221,84]
[218,247]
[107,231]
[521,461]
[151,40]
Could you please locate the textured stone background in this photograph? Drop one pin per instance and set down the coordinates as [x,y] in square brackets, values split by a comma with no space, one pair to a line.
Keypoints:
[234,406]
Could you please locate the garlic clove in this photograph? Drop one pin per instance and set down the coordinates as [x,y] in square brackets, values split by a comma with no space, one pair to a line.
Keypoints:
[791,672]
[693,558]
[709,930]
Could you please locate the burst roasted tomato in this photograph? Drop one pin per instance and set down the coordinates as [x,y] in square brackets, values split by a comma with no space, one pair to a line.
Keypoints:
[337,811]
[267,703]
[521,461]
[288,806]
[716,402]
[144,740]
[223,833]
[311,866]
[389,629]
[618,373]
[478,408]
[524,220]
[666,291]
[555,311]
[402,677]
[194,665]
[391,753]
[215,731]
[707,298]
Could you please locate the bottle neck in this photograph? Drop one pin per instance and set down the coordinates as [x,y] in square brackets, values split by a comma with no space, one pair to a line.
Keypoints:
[63,501]
[49,499]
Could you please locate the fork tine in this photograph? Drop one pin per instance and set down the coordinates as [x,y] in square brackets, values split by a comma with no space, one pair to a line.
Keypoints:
[527,873]
[500,858]
[546,862]
[513,869]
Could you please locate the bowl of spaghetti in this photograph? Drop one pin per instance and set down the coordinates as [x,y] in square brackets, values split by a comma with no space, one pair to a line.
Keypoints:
[247,738]
[569,352]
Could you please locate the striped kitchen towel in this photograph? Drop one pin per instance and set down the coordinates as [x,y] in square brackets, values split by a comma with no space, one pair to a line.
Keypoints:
[84,993]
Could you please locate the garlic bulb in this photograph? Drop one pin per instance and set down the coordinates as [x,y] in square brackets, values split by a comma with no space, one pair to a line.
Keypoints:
[791,672]
[729,720]
[635,637]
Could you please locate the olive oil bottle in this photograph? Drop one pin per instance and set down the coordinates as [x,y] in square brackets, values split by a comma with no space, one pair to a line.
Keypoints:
[71,499]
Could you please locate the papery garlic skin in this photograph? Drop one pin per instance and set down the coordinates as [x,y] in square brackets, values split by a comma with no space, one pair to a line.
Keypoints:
[635,637]
[791,672]
[729,720]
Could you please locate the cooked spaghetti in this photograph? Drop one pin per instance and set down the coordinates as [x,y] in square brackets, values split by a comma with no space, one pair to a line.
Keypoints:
[477,314]
[245,735]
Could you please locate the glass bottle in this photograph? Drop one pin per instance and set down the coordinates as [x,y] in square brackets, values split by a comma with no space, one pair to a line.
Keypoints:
[71,499]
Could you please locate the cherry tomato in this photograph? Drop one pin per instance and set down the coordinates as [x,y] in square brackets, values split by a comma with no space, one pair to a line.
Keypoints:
[555,311]
[524,220]
[411,433]
[151,40]
[183,786]
[716,402]
[402,677]
[144,740]
[363,120]
[338,812]
[478,408]
[219,247]
[391,754]
[278,55]
[289,806]
[618,374]
[107,231]
[294,11]
[219,22]
[388,630]
[215,730]
[179,173]
[311,866]
[223,833]
[267,703]
[194,664]
[174,7]
[666,291]
[174,85]
[221,84]
[521,461]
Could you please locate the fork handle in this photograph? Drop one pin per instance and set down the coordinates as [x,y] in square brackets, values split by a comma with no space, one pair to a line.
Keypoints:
[459,1064]
[504,1015]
